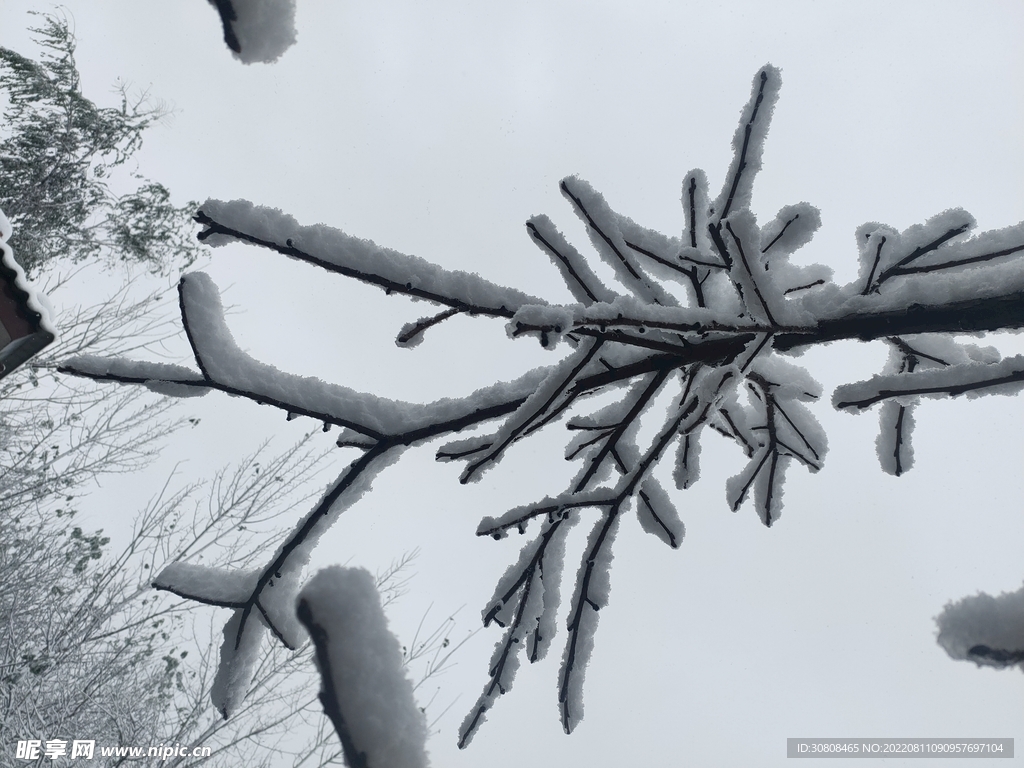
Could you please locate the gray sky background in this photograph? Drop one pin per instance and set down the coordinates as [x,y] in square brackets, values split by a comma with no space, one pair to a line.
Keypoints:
[437,129]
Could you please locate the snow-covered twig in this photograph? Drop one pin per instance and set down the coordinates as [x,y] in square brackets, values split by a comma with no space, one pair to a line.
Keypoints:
[257,30]
[986,630]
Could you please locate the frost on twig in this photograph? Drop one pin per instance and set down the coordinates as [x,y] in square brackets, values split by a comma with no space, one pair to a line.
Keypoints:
[686,342]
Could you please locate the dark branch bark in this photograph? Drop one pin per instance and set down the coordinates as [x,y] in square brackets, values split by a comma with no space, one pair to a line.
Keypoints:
[582,601]
[601,233]
[869,284]
[641,402]
[673,542]
[804,287]
[996,313]
[227,19]
[495,451]
[690,274]
[513,641]
[781,233]
[998,655]
[779,409]
[929,247]
[691,196]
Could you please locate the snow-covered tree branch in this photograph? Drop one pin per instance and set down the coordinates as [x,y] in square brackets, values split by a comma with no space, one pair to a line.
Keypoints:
[690,338]
[257,30]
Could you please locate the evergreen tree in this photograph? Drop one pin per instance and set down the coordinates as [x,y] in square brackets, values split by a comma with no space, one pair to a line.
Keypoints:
[59,156]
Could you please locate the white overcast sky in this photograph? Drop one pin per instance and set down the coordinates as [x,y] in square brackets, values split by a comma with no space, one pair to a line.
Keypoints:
[437,129]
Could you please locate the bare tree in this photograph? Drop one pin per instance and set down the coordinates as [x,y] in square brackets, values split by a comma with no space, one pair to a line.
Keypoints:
[690,337]
[90,650]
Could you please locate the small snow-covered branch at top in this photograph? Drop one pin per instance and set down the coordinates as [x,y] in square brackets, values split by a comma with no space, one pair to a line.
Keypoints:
[257,30]
[986,630]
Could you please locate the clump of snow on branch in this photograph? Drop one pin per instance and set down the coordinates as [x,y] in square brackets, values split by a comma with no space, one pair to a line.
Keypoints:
[926,267]
[257,30]
[365,689]
[239,653]
[163,378]
[213,586]
[986,630]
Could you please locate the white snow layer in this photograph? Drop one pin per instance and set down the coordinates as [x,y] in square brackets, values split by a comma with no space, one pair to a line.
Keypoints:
[265,29]
[364,668]
[238,656]
[536,579]
[765,475]
[696,239]
[984,629]
[894,444]
[37,301]
[757,116]
[686,470]
[973,379]
[228,365]
[791,229]
[981,267]
[545,397]
[608,240]
[787,380]
[361,258]
[585,286]
[215,586]
[589,597]
[657,514]
[162,378]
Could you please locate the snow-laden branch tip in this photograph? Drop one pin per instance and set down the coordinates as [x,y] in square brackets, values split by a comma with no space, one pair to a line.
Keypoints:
[986,630]
[365,691]
[973,379]
[257,30]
